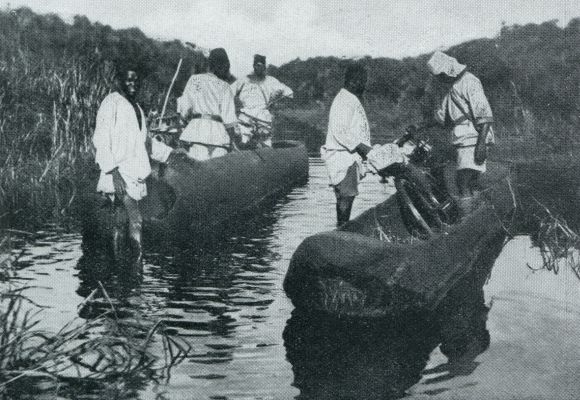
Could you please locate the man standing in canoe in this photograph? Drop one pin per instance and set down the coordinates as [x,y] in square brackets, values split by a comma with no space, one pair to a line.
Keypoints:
[119,139]
[347,140]
[207,106]
[256,93]
[465,109]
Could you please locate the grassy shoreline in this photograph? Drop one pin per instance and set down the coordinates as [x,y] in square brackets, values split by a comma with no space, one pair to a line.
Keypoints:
[526,139]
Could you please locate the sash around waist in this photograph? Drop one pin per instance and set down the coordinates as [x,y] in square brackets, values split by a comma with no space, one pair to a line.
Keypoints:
[211,117]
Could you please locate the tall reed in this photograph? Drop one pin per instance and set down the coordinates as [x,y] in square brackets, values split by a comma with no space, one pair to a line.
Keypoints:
[47,111]
[105,351]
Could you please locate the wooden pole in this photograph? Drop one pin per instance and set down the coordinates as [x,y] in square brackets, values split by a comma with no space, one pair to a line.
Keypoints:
[168,92]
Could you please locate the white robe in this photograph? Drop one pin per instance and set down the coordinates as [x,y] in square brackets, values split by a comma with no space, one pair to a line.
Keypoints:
[255,97]
[119,143]
[464,104]
[347,128]
[207,94]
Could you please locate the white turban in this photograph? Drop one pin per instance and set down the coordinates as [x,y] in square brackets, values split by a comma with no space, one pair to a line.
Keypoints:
[441,63]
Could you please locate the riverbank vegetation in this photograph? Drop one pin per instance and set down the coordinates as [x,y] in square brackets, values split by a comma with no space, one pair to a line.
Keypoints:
[530,73]
[95,354]
[53,75]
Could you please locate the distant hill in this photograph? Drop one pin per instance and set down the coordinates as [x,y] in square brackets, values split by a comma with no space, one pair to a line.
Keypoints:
[531,74]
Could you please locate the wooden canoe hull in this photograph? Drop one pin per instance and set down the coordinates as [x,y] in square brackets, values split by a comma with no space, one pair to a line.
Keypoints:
[352,272]
[188,197]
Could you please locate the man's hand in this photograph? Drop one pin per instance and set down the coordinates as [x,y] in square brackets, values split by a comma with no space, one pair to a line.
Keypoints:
[231,131]
[238,104]
[118,183]
[480,153]
[362,149]
[411,129]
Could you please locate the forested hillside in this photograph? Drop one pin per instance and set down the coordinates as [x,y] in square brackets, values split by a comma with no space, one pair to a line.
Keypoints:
[530,73]
[54,74]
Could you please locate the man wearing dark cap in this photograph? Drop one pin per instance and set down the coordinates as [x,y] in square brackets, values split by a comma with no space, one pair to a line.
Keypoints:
[256,94]
[347,140]
[207,106]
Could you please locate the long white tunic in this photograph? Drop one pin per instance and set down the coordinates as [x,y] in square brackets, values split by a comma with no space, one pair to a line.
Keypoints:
[119,143]
[464,104]
[207,94]
[256,96]
[347,128]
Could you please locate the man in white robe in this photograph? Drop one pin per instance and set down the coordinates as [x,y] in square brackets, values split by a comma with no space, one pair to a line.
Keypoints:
[347,140]
[119,139]
[466,110]
[256,93]
[207,106]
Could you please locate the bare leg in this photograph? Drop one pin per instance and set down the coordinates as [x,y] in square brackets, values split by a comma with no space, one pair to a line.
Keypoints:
[468,186]
[119,227]
[343,209]
[135,223]
[467,182]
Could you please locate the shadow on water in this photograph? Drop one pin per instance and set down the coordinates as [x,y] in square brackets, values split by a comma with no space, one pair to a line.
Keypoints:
[334,359]
[193,288]
[346,360]
[381,359]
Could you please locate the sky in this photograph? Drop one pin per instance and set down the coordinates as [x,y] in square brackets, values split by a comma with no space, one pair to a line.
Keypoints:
[285,30]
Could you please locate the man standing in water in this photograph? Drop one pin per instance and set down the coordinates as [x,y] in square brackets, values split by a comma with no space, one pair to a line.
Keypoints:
[465,109]
[119,140]
[207,106]
[256,93]
[347,140]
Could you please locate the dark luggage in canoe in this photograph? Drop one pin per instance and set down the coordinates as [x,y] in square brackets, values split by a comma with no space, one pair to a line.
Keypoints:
[373,266]
[188,199]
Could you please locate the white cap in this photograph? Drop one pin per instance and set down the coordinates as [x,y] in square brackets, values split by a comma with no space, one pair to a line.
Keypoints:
[441,63]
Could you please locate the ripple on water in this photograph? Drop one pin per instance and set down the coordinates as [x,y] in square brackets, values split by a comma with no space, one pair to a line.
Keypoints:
[228,303]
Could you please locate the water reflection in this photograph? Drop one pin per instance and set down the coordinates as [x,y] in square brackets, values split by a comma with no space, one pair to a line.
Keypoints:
[381,359]
[334,359]
[239,351]
[345,360]
[196,291]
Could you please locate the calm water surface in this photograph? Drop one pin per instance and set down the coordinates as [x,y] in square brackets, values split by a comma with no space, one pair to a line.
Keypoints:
[227,301]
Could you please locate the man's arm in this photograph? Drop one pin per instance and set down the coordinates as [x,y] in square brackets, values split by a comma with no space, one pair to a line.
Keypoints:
[228,114]
[345,123]
[481,146]
[102,135]
[183,105]
[281,89]
[482,115]
[102,141]
[231,131]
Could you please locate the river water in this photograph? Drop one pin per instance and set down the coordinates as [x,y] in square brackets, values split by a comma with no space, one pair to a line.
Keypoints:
[246,342]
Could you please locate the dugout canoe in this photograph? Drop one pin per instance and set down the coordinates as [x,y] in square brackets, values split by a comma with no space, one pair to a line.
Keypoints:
[374,267]
[189,199]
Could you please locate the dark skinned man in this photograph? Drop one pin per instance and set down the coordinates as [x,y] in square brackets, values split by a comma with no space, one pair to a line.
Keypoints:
[347,140]
[119,139]
[207,106]
[255,94]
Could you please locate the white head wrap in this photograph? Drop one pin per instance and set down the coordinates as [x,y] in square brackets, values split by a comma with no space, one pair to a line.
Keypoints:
[441,63]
